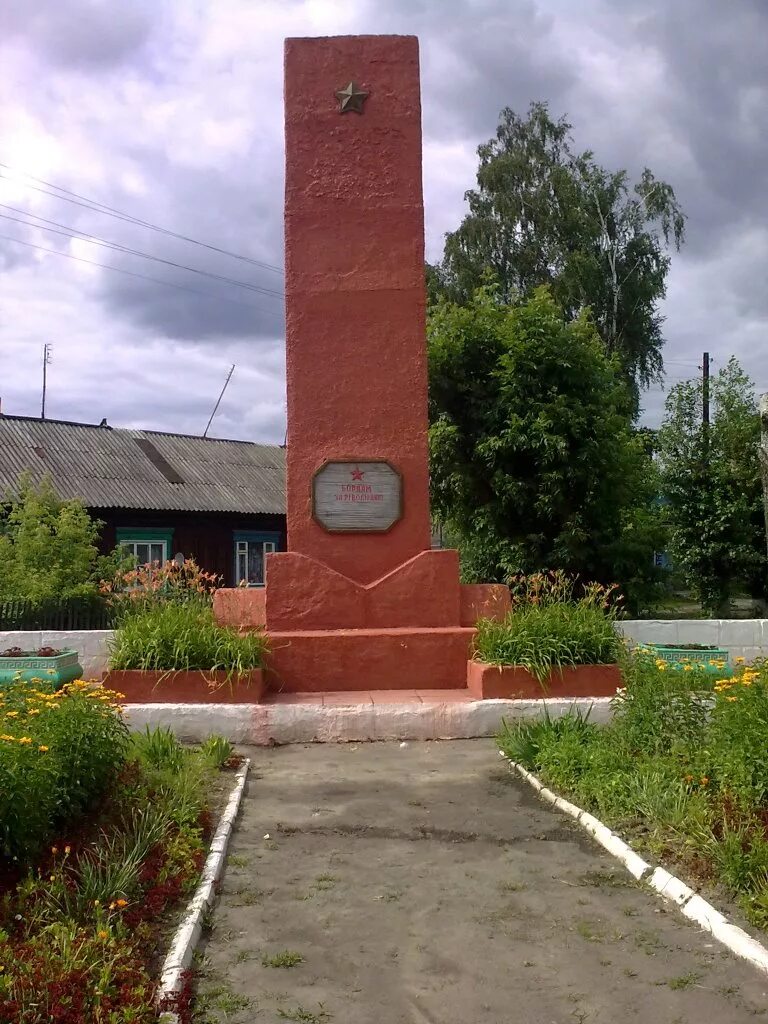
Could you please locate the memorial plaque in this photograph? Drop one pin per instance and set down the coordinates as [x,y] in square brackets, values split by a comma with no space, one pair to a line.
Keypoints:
[357,496]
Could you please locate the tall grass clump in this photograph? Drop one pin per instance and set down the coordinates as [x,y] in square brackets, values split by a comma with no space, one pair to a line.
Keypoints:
[165,623]
[551,626]
[170,637]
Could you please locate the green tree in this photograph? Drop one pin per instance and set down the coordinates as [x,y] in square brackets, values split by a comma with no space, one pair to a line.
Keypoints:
[48,547]
[533,460]
[712,487]
[544,214]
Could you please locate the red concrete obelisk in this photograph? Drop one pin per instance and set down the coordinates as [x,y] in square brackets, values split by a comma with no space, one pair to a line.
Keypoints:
[359,601]
[354,283]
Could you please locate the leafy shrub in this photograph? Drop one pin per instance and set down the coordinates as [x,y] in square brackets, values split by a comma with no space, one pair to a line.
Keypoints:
[49,547]
[737,736]
[661,706]
[58,752]
[549,627]
[170,636]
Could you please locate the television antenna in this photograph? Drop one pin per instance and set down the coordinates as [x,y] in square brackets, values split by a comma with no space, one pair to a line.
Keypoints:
[218,403]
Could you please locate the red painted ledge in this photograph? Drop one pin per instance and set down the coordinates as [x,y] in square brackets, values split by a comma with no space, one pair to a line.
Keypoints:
[186,687]
[512,682]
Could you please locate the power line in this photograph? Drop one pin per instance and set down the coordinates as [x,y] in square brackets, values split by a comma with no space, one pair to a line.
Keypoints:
[110,211]
[71,232]
[143,277]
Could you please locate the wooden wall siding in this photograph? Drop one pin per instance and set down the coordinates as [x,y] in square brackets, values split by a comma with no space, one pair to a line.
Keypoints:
[206,537]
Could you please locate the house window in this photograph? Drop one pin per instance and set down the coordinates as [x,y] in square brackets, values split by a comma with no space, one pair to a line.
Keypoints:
[251,550]
[144,551]
[146,545]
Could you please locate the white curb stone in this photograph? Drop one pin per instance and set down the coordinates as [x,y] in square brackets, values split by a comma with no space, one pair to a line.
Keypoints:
[353,722]
[188,933]
[703,913]
[667,885]
[670,887]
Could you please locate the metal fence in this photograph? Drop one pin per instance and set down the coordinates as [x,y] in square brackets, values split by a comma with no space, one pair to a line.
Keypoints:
[74,613]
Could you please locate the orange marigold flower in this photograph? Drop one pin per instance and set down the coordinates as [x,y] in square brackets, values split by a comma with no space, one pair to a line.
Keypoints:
[121,903]
[54,849]
[704,780]
[25,739]
[42,748]
[103,934]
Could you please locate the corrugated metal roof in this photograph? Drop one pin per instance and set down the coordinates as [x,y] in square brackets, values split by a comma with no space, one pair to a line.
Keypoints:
[106,468]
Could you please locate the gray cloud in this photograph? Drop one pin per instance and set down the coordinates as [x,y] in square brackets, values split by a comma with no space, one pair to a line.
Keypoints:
[173,112]
[86,35]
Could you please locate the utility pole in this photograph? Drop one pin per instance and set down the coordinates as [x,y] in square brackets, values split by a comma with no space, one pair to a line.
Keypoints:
[215,408]
[705,391]
[46,361]
[764,455]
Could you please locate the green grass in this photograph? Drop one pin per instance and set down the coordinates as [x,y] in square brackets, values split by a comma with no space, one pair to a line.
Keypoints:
[304,1016]
[682,768]
[174,637]
[287,958]
[549,637]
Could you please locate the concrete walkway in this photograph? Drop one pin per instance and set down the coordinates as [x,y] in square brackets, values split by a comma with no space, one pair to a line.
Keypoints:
[425,884]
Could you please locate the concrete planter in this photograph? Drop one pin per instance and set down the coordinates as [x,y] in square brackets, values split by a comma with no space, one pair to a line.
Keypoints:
[511,682]
[56,670]
[186,687]
[678,656]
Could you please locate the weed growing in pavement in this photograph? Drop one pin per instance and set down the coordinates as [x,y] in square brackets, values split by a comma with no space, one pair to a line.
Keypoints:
[304,1016]
[288,958]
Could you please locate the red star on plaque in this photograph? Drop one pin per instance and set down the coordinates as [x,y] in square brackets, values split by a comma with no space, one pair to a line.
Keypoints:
[357,473]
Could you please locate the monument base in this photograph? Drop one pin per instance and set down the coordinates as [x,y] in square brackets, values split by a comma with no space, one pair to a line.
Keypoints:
[411,629]
[328,661]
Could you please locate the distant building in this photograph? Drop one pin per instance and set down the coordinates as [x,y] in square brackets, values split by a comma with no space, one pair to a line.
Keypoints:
[159,495]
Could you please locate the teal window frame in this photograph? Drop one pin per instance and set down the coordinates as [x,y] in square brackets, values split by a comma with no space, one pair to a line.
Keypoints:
[146,535]
[262,536]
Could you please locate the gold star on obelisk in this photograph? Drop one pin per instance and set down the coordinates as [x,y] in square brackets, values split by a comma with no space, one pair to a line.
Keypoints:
[351,98]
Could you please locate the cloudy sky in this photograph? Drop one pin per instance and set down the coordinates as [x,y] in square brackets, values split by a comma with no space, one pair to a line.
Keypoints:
[170,112]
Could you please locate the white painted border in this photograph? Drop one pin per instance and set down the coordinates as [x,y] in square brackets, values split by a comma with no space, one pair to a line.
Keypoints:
[354,721]
[188,933]
[667,885]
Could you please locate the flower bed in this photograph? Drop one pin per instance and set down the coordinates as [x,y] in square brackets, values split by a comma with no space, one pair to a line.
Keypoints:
[511,682]
[187,687]
[682,770]
[185,655]
[552,643]
[86,876]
